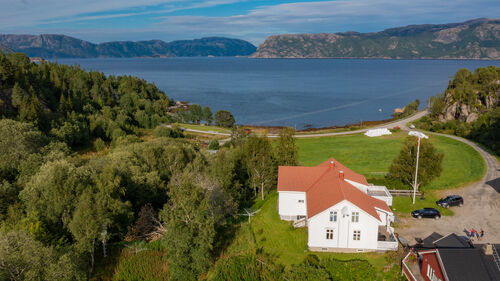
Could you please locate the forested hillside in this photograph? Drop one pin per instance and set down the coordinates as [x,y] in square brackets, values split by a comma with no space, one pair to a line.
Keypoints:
[89,190]
[469,107]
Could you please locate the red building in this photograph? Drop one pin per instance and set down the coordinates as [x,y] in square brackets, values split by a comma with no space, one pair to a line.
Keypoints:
[451,258]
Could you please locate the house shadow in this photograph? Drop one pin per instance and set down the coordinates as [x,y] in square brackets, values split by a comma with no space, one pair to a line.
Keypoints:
[495,183]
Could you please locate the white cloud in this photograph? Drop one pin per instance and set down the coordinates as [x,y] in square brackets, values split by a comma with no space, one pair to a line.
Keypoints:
[254,25]
[334,16]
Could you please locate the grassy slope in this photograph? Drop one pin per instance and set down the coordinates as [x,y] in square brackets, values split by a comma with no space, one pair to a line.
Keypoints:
[288,245]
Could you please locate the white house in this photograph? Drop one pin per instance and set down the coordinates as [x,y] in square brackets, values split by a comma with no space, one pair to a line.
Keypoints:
[342,211]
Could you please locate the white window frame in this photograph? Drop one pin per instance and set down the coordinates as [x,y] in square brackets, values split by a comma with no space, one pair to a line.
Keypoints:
[356,235]
[355,217]
[329,234]
[333,216]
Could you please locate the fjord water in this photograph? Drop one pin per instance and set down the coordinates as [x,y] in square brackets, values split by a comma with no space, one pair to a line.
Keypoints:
[292,92]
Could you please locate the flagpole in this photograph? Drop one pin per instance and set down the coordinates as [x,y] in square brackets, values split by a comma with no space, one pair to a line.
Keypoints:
[416,172]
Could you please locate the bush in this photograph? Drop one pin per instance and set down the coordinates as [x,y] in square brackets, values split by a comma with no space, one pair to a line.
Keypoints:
[164,132]
[214,145]
[99,144]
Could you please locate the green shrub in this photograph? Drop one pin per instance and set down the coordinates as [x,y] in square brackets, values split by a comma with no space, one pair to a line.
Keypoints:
[99,144]
[214,145]
[164,132]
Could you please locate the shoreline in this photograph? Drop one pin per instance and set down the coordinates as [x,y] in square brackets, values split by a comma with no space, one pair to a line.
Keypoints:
[277,129]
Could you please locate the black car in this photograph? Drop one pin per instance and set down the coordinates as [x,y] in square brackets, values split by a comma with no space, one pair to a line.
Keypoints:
[426,213]
[449,201]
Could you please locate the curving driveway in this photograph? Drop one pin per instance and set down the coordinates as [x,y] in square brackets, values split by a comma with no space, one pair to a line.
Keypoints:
[481,209]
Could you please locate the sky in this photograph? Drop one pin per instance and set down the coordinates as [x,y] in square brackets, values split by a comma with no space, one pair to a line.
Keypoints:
[253,20]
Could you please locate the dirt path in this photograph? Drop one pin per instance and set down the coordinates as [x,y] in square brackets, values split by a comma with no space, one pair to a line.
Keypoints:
[481,207]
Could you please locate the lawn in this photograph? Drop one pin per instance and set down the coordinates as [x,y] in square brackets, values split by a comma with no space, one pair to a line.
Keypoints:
[373,156]
[286,244]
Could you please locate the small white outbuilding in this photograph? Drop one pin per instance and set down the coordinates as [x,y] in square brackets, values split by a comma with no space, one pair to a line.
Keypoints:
[377,132]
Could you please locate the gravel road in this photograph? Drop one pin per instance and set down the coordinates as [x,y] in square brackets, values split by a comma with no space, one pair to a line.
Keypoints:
[481,209]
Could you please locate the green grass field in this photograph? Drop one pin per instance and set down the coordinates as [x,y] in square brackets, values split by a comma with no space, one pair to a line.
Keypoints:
[373,156]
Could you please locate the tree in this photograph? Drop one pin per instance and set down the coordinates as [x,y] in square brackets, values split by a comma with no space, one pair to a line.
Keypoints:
[24,258]
[190,228]
[286,151]
[208,115]
[260,163]
[224,118]
[429,165]
[196,113]
[18,140]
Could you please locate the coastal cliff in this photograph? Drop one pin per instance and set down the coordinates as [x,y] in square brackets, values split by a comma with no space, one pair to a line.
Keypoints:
[474,39]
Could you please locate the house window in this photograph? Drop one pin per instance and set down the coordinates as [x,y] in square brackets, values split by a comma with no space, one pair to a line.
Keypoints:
[355,216]
[431,275]
[333,216]
[356,235]
[329,233]
[301,201]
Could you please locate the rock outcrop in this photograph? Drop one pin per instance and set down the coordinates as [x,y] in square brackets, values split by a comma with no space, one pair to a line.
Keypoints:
[469,111]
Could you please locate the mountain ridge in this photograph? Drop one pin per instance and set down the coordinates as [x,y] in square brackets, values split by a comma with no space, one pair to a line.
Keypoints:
[473,39]
[63,46]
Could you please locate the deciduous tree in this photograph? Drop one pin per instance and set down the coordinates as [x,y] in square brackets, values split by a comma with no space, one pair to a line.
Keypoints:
[429,165]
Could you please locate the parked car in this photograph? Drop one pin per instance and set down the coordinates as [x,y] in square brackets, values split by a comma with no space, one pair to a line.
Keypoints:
[426,213]
[412,126]
[450,201]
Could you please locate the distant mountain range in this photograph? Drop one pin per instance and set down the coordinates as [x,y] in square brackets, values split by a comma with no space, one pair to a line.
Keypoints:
[62,46]
[474,39]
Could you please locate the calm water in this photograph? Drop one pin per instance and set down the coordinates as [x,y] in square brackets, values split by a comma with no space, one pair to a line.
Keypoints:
[319,92]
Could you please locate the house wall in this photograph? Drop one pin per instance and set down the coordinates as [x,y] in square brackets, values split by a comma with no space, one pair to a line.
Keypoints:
[288,205]
[343,229]
[430,260]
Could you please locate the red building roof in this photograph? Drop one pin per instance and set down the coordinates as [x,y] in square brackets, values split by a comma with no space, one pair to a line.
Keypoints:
[325,187]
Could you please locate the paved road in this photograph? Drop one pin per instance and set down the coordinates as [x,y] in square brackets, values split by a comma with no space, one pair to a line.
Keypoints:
[401,123]
[481,207]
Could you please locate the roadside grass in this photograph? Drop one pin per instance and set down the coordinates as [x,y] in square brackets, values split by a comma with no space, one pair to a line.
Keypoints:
[205,128]
[288,245]
[402,205]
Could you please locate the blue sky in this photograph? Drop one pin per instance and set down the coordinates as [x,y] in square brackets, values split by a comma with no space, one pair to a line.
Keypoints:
[253,20]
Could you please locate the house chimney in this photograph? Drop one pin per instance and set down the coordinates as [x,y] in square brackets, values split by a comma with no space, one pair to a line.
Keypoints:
[488,249]
[332,164]
[341,175]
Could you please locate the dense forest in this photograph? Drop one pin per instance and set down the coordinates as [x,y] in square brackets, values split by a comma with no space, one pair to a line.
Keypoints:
[92,186]
[469,107]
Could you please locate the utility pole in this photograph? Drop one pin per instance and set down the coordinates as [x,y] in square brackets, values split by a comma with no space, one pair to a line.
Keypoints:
[419,135]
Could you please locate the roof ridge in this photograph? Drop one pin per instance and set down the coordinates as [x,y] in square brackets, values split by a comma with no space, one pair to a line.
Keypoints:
[317,180]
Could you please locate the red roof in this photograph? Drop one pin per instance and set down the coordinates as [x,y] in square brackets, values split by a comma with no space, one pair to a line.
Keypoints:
[325,188]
